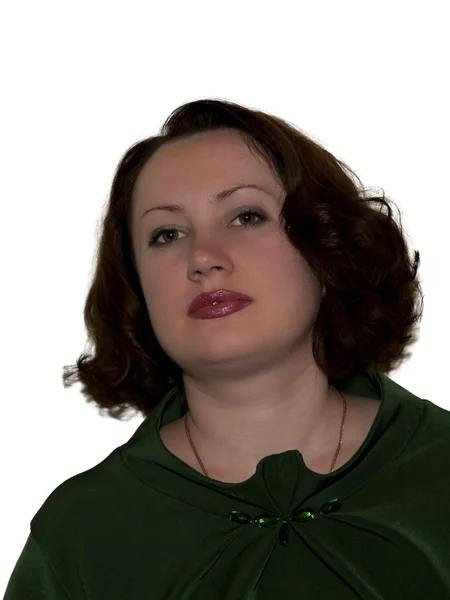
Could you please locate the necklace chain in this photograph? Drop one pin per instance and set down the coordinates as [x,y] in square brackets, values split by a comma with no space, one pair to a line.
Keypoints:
[335,454]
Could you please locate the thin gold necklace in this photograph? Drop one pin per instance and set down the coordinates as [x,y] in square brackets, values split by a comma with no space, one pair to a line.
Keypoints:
[335,454]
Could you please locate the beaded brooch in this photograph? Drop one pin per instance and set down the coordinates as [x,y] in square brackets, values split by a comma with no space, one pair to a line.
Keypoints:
[300,516]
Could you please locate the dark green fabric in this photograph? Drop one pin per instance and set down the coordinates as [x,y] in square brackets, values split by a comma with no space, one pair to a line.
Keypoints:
[142,524]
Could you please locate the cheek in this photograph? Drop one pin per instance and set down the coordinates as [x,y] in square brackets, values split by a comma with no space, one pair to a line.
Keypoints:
[291,280]
[163,320]
[161,296]
[284,263]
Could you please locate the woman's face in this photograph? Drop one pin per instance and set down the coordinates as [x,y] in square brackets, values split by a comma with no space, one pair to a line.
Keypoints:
[258,261]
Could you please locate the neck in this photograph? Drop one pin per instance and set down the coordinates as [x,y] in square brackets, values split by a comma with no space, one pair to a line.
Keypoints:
[233,434]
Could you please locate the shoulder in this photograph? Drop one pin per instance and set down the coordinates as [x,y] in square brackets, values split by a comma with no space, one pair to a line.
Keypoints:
[434,424]
[78,501]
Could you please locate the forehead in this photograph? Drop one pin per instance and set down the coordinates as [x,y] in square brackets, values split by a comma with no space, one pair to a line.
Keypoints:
[201,164]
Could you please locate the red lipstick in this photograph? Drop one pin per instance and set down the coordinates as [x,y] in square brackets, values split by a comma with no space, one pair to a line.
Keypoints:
[220,303]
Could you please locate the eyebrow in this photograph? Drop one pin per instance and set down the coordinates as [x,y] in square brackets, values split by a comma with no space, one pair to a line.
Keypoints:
[218,197]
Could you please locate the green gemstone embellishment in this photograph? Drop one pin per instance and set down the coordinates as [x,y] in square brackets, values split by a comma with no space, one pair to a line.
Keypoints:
[304,514]
[284,534]
[300,516]
[240,517]
[330,506]
[266,520]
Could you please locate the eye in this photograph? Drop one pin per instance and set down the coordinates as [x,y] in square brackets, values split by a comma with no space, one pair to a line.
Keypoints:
[153,242]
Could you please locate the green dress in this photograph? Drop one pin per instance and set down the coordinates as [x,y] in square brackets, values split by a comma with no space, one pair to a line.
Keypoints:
[142,524]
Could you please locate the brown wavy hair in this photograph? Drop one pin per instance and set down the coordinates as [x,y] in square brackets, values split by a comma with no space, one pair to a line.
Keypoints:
[347,234]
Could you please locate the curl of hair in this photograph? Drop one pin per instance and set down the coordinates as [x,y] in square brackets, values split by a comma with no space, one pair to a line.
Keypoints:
[347,235]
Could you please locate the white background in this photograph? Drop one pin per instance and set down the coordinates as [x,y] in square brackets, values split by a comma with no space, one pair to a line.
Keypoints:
[82,81]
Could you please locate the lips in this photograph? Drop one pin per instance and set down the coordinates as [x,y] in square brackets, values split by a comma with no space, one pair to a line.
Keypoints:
[218,296]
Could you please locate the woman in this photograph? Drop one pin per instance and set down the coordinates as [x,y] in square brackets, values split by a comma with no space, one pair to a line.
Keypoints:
[277,457]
